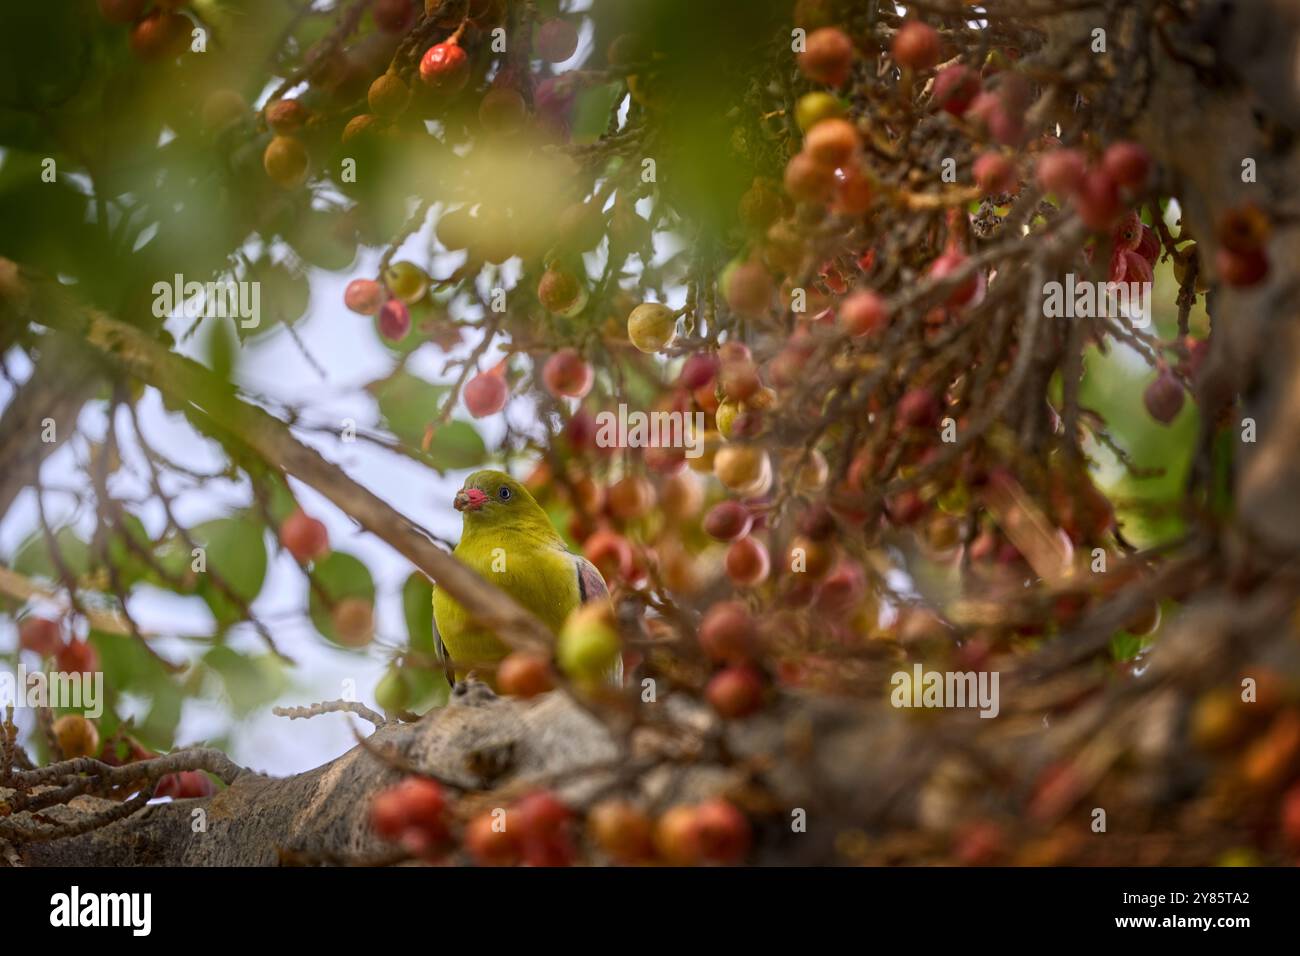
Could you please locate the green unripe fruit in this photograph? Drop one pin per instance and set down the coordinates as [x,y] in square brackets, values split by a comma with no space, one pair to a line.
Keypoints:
[407,281]
[651,327]
[588,646]
[812,108]
[391,693]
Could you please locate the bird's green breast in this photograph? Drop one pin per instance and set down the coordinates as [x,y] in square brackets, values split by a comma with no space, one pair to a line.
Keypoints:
[542,578]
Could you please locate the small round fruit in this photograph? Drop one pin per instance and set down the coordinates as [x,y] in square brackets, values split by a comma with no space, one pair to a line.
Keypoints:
[748,288]
[489,842]
[1097,200]
[728,633]
[502,111]
[588,645]
[727,521]
[622,830]
[832,142]
[1241,269]
[77,736]
[185,785]
[747,562]
[364,296]
[559,291]
[955,88]
[486,393]
[388,95]
[393,16]
[735,692]
[864,313]
[391,693]
[524,674]
[286,116]
[827,56]
[557,40]
[814,107]
[160,35]
[444,67]
[223,108]
[394,320]
[567,374]
[919,407]
[1164,397]
[677,836]
[407,281]
[631,497]
[610,553]
[304,537]
[807,180]
[916,46]
[121,11]
[994,174]
[354,621]
[966,292]
[698,371]
[77,657]
[724,832]
[1128,164]
[40,635]
[1061,171]
[651,327]
[285,161]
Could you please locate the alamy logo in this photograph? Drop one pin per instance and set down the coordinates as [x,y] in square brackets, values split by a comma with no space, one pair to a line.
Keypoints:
[1073,299]
[72,909]
[66,691]
[652,430]
[949,689]
[211,300]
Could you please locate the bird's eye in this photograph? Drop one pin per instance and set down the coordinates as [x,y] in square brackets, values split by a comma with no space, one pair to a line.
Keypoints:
[504,493]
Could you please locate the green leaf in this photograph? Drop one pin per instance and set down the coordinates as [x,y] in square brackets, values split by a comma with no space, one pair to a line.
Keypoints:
[457,445]
[338,576]
[407,405]
[417,607]
[251,682]
[592,110]
[236,551]
[130,566]
[35,560]
[129,667]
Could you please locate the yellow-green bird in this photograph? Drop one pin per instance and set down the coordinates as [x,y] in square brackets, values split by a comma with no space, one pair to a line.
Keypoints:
[508,539]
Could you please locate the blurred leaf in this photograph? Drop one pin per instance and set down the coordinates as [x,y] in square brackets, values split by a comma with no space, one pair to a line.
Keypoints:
[251,682]
[592,109]
[130,566]
[457,445]
[35,560]
[407,405]
[339,576]
[236,551]
[417,608]
[130,668]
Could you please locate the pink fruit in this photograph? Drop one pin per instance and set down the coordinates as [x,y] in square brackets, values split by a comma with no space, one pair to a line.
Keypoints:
[557,40]
[916,46]
[304,537]
[864,312]
[486,393]
[955,88]
[827,56]
[445,67]
[736,691]
[995,174]
[1061,171]
[364,296]
[727,521]
[567,374]
[1128,164]
[394,320]
[1164,397]
[1097,200]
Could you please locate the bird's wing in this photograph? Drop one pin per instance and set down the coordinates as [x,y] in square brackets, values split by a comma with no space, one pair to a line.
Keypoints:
[440,649]
[591,586]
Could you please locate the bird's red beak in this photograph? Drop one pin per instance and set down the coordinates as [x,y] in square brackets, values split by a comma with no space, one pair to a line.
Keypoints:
[469,499]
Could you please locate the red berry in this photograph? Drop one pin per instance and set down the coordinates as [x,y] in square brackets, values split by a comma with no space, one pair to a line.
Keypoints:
[735,691]
[1097,200]
[916,46]
[303,536]
[827,56]
[747,562]
[394,320]
[863,313]
[557,40]
[842,590]
[1241,269]
[40,635]
[77,657]
[622,830]
[854,190]
[906,507]
[413,811]
[393,16]
[724,832]
[832,142]
[677,837]
[488,844]
[567,374]
[364,296]
[610,553]
[748,289]
[1128,164]
[186,785]
[968,291]
[486,393]
[728,633]
[524,674]
[807,180]
[544,828]
[995,174]
[445,67]
[698,371]
[955,88]
[121,11]
[1061,171]
[160,35]
[1164,397]
[286,116]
